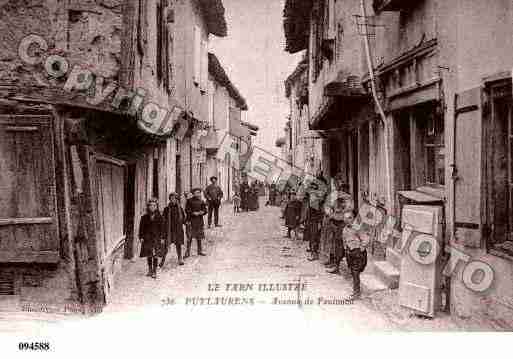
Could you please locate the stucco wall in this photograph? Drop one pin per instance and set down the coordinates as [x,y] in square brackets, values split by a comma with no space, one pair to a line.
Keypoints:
[351,60]
[475,40]
[187,15]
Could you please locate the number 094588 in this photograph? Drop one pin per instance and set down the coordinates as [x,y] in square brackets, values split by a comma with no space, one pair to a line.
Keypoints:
[34,346]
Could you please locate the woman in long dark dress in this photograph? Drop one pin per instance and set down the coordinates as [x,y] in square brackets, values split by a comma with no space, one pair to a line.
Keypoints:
[150,234]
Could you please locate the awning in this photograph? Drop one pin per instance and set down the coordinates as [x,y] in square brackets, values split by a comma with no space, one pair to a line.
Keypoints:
[341,107]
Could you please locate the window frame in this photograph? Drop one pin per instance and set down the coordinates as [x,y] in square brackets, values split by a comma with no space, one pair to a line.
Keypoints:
[499,91]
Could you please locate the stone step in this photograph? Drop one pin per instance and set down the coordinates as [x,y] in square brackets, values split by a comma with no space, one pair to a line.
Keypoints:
[387,273]
[370,283]
[394,257]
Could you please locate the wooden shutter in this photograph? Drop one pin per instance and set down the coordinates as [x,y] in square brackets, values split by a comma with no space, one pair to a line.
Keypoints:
[197,55]
[28,219]
[467,168]
[142,27]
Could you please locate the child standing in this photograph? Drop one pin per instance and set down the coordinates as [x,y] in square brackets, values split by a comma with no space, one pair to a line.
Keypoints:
[292,214]
[336,228]
[151,236]
[355,244]
[236,203]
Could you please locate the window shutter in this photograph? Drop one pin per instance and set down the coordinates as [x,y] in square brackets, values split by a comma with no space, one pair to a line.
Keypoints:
[142,26]
[467,168]
[28,213]
[204,65]
[332,18]
[197,55]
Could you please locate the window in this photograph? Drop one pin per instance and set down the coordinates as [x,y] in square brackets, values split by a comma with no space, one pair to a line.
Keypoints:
[435,150]
[169,33]
[160,45]
[197,55]
[211,93]
[426,145]
[501,164]
[340,39]
[318,35]
[155,184]
[142,25]
[203,65]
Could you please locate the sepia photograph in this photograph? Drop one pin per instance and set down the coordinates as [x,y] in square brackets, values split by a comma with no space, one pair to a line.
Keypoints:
[290,172]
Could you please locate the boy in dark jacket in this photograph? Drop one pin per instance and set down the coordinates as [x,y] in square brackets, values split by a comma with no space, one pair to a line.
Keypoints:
[174,219]
[150,235]
[292,214]
[355,244]
[195,209]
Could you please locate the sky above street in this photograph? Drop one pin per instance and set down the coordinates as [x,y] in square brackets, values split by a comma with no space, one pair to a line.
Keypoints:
[253,56]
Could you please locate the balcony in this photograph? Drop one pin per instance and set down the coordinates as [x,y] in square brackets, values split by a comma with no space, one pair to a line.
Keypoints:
[350,88]
[391,5]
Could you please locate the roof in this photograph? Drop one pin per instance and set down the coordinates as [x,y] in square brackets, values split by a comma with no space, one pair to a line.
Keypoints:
[217,71]
[296,24]
[214,17]
[300,68]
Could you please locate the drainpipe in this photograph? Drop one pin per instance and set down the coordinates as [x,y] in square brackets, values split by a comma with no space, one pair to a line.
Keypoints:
[381,112]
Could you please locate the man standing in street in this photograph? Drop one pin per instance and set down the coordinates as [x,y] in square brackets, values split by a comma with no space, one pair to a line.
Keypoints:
[214,196]
[195,209]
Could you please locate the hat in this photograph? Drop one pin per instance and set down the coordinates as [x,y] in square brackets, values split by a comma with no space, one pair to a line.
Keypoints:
[194,190]
[212,178]
[173,194]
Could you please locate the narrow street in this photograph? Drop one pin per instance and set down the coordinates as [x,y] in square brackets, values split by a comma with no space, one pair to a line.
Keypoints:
[250,249]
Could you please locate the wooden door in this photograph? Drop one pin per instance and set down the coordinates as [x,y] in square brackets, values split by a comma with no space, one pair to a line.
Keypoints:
[110,182]
[28,219]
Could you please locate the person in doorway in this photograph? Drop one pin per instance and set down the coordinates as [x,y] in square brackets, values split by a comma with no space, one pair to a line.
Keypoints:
[355,244]
[214,196]
[150,234]
[174,219]
[292,215]
[195,209]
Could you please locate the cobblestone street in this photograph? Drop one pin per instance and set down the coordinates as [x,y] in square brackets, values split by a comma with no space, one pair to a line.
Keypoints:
[250,248]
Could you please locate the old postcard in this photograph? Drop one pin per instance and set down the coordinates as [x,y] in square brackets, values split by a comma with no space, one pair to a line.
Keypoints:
[296,169]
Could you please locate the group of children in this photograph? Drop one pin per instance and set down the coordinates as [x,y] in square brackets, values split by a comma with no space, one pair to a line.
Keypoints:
[157,232]
[340,231]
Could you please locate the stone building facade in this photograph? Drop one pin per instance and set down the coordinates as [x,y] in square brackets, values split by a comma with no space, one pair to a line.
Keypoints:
[99,102]
[443,78]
